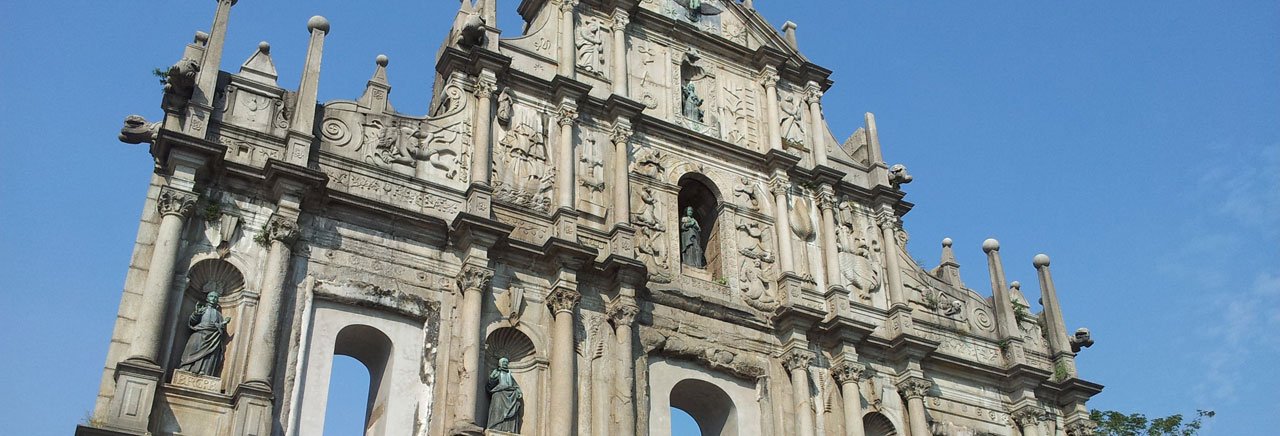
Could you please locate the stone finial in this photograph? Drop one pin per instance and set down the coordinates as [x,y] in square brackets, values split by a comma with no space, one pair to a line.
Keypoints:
[318,23]
[948,269]
[201,38]
[260,67]
[789,32]
[990,245]
[1016,285]
[1040,261]
[377,93]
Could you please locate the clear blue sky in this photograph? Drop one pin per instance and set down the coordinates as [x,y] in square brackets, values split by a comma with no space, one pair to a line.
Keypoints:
[1136,142]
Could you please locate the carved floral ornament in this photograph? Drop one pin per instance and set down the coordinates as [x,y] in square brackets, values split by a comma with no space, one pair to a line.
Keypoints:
[621,133]
[848,372]
[563,300]
[797,359]
[282,229]
[567,115]
[173,201]
[1030,416]
[914,387]
[622,313]
[474,278]
[485,88]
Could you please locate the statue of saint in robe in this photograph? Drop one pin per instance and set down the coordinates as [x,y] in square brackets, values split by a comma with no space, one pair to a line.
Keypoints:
[203,354]
[505,399]
[691,241]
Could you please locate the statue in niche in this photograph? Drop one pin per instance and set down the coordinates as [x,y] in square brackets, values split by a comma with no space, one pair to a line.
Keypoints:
[793,122]
[203,354]
[591,47]
[505,399]
[691,241]
[692,73]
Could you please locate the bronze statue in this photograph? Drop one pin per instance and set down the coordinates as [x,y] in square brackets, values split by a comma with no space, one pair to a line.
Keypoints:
[203,354]
[691,241]
[505,399]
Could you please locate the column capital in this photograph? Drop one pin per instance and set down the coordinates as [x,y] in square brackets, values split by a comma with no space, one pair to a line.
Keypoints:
[813,93]
[797,359]
[177,202]
[622,312]
[914,387]
[768,76]
[827,197]
[567,114]
[887,219]
[846,372]
[1084,427]
[621,132]
[779,183]
[280,228]
[486,86]
[1030,415]
[620,20]
[474,278]
[568,5]
[563,300]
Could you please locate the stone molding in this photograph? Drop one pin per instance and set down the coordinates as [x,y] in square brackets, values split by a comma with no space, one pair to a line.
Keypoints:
[474,278]
[563,300]
[797,359]
[173,201]
[848,372]
[914,387]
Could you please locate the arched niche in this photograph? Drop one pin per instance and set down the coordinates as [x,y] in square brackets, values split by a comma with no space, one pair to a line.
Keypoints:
[528,367]
[876,424]
[701,196]
[205,276]
[390,346]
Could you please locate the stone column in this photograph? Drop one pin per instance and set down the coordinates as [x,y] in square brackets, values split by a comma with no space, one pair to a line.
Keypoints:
[623,314]
[827,204]
[568,51]
[769,78]
[175,206]
[621,135]
[888,228]
[1028,419]
[565,171]
[914,389]
[1082,427]
[818,141]
[473,282]
[849,374]
[282,232]
[779,184]
[482,159]
[562,302]
[620,21]
[797,362]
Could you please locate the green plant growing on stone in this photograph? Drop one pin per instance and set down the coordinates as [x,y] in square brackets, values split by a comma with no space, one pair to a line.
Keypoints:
[722,281]
[261,238]
[1060,371]
[212,211]
[162,74]
[1004,345]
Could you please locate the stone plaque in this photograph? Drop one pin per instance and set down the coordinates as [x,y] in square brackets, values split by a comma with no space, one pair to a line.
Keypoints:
[196,381]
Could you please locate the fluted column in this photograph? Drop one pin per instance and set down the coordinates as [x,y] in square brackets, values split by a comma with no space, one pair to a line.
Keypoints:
[769,79]
[621,135]
[620,21]
[797,362]
[562,302]
[482,159]
[282,232]
[567,116]
[1029,419]
[827,204]
[779,184]
[623,314]
[888,228]
[914,389]
[473,281]
[175,206]
[568,51]
[813,93]
[849,374]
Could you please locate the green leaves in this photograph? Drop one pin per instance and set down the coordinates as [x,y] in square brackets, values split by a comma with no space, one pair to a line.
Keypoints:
[1112,423]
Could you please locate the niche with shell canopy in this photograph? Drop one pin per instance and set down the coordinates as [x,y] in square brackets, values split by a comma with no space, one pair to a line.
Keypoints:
[528,367]
[211,275]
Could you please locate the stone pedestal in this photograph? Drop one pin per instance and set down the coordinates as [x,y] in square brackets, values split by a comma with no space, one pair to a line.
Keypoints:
[253,412]
[130,408]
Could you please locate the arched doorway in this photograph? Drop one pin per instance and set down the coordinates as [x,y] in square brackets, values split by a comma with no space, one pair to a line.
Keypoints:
[372,348]
[709,406]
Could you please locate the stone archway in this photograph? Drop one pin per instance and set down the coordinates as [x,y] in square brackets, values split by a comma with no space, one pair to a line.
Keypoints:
[722,406]
[709,406]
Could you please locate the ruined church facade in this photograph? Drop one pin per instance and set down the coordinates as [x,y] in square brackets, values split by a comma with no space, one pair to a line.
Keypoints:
[636,205]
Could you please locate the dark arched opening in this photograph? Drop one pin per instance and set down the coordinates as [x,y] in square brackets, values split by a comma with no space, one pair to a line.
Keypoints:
[876,424]
[698,203]
[708,405]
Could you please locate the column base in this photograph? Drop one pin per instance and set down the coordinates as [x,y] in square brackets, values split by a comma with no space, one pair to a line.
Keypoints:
[129,411]
[464,428]
[252,416]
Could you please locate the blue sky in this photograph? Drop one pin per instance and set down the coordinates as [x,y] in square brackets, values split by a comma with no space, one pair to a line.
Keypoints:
[1136,142]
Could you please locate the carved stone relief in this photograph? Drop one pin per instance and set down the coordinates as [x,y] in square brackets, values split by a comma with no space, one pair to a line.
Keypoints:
[591,174]
[736,113]
[590,46]
[648,72]
[651,241]
[522,171]
[860,252]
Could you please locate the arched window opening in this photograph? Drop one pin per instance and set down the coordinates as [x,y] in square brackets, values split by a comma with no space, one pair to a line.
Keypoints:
[709,406]
[349,384]
[876,424]
[699,227]
[372,348]
[683,425]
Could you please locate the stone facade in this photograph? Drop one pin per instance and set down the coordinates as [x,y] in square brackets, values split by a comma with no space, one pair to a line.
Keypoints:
[534,214]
